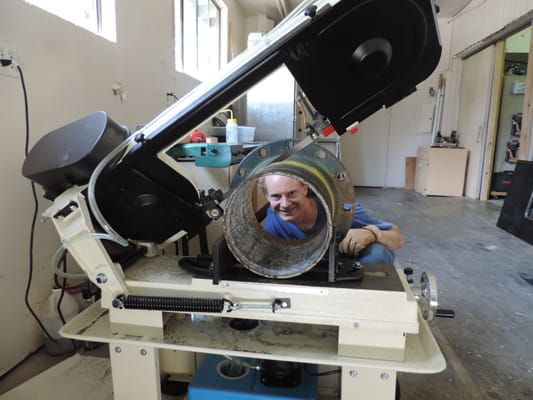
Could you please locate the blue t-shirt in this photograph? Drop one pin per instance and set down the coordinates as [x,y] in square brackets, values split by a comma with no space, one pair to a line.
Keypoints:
[287,230]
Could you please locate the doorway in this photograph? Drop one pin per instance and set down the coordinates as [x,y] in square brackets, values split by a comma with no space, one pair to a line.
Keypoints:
[509,125]
[474,115]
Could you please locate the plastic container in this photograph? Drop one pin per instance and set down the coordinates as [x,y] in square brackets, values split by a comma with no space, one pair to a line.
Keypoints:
[246,134]
[232,129]
[52,322]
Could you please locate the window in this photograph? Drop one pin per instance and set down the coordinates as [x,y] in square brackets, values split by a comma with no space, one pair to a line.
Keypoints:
[97,16]
[200,36]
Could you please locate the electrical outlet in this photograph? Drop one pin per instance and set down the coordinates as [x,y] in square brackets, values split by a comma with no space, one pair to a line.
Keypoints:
[8,51]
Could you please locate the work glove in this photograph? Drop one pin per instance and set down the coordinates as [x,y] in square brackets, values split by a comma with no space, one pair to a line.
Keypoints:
[357,239]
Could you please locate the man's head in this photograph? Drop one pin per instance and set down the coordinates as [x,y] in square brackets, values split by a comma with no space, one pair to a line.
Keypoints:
[287,197]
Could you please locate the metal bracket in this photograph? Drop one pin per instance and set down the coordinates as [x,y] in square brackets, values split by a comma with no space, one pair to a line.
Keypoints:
[277,304]
[528,213]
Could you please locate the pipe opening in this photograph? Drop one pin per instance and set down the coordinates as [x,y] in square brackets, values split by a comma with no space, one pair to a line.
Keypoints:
[263,253]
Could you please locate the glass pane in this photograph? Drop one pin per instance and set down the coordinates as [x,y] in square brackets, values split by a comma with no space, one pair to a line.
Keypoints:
[189,35]
[198,40]
[208,36]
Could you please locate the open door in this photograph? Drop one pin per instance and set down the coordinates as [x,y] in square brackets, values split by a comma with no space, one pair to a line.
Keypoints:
[526,143]
[495,92]
[472,124]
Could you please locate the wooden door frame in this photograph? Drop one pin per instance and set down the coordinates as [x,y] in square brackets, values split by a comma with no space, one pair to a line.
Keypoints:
[476,122]
[494,112]
[491,128]
[491,132]
[527,111]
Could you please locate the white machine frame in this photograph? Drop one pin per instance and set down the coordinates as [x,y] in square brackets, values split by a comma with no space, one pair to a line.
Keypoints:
[382,333]
[371,332]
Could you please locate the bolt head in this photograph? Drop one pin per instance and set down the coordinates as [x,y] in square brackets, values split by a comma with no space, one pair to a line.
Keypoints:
[310,11]
[101,278]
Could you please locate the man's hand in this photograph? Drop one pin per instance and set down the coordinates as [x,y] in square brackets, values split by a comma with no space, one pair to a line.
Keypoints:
[357,239]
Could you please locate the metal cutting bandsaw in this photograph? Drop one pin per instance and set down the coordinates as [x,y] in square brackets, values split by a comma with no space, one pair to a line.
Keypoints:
[119,198]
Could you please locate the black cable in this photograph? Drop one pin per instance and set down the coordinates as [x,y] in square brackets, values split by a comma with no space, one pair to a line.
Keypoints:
[60,313]
[330,372]
[200,265]
[26,111]
[64,283]
[172,95]
[35,212]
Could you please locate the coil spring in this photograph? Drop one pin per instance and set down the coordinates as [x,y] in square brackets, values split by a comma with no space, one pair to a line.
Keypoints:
[173,304]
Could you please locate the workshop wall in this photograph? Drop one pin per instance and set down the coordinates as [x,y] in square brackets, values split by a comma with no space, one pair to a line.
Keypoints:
[397,132]
[411,119]
[479,20]
[482,18]
[69,72]
[375,156]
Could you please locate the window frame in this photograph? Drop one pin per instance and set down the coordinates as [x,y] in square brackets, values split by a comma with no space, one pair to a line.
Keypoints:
[187,45]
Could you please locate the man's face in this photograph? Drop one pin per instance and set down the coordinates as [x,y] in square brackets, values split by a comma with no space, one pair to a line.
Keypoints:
[286,196]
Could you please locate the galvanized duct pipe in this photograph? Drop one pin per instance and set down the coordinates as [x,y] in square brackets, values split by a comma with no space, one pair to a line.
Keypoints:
[269,256]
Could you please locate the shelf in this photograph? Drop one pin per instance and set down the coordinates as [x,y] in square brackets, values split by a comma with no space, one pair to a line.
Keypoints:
[269,340]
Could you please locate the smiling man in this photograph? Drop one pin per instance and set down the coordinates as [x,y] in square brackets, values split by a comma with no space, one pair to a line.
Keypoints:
[295,212]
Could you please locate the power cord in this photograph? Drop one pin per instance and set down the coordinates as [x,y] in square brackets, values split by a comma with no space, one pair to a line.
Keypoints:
[6,63]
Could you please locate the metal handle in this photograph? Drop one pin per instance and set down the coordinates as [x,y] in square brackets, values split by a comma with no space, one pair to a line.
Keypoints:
[426,294]
[528,213]
[274,306]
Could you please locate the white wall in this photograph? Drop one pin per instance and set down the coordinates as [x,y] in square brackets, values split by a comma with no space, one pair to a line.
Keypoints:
[237,34]
[408,127]
[410,119]
[476,22]
[69,73]
[481,18]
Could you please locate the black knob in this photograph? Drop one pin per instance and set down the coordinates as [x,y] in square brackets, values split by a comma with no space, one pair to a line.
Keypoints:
[310,11]
[373,56]
[444,313]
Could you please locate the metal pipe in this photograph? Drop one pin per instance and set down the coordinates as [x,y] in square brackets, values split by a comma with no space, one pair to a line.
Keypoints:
[438,110]
[270,256]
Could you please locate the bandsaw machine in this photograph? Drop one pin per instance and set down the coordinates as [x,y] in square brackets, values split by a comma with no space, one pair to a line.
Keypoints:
[120,198]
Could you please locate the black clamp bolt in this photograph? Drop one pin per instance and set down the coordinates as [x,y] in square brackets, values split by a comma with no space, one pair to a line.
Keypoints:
[140,138]
[281,303]
[408,271]
[310,11]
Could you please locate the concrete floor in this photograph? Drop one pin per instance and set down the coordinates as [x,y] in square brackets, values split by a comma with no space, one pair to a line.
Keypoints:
[488,346]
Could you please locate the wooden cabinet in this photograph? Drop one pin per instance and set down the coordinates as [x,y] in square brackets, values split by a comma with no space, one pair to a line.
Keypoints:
[440,171]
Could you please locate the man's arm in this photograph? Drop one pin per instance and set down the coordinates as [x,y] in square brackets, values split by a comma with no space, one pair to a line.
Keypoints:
[358,238]
[393,238]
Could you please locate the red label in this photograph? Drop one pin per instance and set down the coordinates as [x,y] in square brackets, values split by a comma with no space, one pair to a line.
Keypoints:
[328,130]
